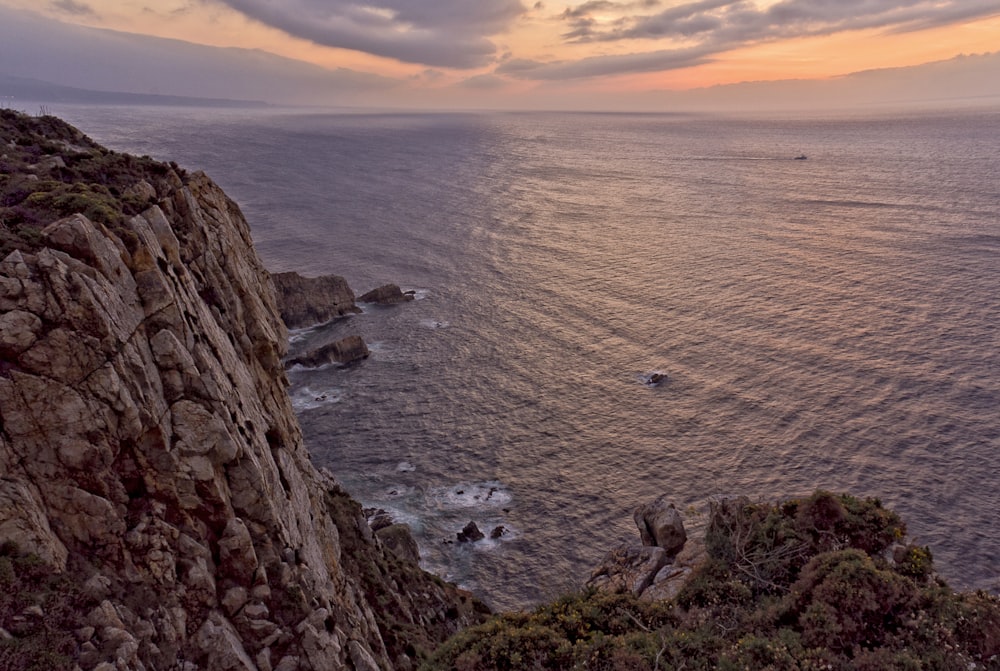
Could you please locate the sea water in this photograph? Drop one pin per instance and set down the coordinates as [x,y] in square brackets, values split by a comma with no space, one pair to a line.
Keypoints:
[822,323]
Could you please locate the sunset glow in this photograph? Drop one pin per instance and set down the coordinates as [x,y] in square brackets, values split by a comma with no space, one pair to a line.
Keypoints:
[509,46]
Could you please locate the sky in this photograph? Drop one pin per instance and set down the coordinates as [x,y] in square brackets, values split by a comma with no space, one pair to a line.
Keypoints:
[486,53]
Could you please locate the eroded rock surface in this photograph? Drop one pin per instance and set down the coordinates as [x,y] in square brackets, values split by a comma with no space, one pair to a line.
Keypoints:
[657,568]
[304,301]
[387,294]
[148,448]
[660,525]
[345,350]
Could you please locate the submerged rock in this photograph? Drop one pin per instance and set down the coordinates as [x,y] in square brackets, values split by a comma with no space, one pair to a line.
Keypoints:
[387,294]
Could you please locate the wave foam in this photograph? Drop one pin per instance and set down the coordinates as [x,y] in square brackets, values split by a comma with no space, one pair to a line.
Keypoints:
[309,399]
[471,495]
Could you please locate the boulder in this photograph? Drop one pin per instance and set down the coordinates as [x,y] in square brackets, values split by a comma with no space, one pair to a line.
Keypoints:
[345,350]
[387,294]
[305,301]
[661,525]
[628,568]
[671,578]
[470,534]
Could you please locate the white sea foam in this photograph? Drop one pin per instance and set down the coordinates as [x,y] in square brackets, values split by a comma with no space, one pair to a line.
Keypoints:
[647,378]
[434,323]
[470,495]
[405,467]
[306,398]
[403,516]
[398,491]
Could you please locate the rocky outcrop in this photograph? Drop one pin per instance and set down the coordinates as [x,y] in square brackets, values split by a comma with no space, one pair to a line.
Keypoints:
[657,568]
[387,294]
[304,301]
[399,540]
[470,533]
[345,350]
[660,525]
[148,449]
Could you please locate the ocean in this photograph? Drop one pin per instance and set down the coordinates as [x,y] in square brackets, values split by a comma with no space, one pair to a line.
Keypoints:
[832,322]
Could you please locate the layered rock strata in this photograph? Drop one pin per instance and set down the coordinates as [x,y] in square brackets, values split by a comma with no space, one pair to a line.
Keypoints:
[148,450]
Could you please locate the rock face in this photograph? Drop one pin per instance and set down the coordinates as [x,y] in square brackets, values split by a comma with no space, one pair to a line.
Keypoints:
[657,568]
[149,448]
[345,350]
[304,301]
[660,525]
[387,294]
[470,533]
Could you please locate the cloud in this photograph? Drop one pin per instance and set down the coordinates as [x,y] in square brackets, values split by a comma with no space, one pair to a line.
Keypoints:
[74,8]
[35,47]
[441,33]
[694,33]
[482,82]
[732,23]
[600,66]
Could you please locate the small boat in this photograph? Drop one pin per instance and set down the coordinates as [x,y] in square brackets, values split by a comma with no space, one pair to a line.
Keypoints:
[801,157]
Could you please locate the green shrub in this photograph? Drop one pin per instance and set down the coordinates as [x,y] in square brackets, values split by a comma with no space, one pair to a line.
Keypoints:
[917,562]
[801,585]
[767,545]
[94,182]
[844,601]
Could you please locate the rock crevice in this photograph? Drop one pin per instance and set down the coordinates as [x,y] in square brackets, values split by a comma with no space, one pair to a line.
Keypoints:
[148,448]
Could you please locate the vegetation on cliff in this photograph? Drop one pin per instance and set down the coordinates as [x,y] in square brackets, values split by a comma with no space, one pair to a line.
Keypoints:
[152,472]
[50,170]
[816,583]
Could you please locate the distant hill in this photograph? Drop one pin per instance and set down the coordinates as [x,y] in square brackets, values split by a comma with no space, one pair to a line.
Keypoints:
[963,80]
[13,90]
[93,59]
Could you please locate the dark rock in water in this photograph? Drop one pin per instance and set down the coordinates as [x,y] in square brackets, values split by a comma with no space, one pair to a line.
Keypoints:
[304,301]
[387,294]
[398,539]
[470,534]
[498,531]
[661,525]
[379,519]
[345,350]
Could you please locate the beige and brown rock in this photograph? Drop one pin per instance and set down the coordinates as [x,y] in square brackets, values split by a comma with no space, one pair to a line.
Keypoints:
[149,449]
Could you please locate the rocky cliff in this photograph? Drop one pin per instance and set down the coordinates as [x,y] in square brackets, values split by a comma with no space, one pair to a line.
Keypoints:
[149,456]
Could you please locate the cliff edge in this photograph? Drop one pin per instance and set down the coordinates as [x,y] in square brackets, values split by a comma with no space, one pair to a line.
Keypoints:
[151,466]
